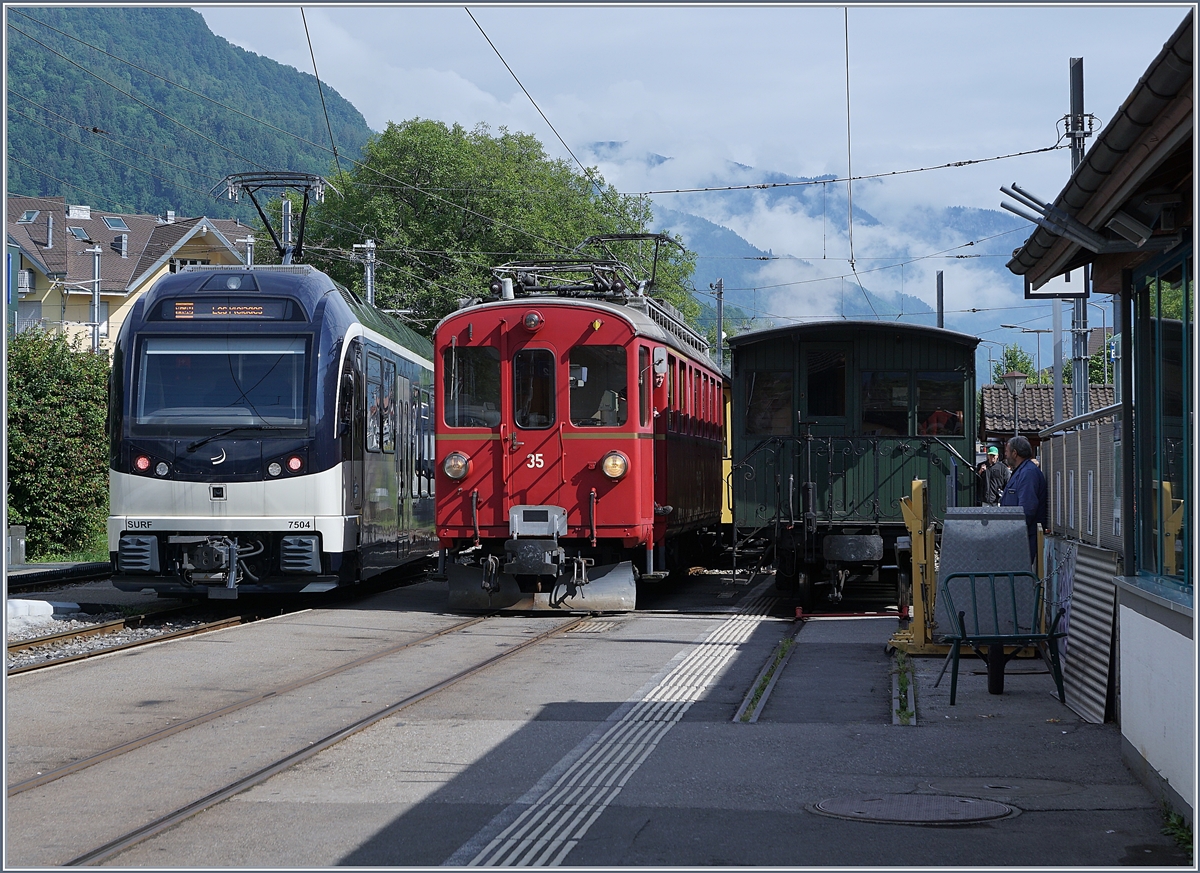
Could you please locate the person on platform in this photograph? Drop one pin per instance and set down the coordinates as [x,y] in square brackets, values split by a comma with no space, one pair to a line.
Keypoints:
[996,478]
[1026,488]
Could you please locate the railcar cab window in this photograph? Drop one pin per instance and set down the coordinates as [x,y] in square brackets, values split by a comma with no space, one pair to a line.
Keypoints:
[533,389]
[644,377]
[599,389]
[769,409]
[221,381]
[471,386]
[885,403]
[940,404]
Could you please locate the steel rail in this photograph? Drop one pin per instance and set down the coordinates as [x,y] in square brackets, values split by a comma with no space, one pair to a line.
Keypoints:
[161,824]
[130,622]
[133,644]
[163,733]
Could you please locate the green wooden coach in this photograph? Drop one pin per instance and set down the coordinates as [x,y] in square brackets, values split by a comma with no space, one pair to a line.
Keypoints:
[832,421]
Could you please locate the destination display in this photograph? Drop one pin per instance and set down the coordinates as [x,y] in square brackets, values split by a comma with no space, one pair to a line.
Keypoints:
[226,308]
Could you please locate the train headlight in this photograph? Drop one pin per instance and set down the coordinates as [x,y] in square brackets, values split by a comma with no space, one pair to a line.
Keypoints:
[274,468]
[161,469]
[615,465]
[141,463]
[532,320]
[456,465]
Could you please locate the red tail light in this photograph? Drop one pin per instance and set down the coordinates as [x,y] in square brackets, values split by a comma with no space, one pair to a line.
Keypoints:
[295,463]
[142,463]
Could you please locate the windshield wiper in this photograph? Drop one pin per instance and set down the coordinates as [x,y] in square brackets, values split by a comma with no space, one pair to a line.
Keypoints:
[208,439]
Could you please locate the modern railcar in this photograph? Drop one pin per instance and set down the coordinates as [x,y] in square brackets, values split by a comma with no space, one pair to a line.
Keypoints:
[838,418]
[579,440]
[270,433]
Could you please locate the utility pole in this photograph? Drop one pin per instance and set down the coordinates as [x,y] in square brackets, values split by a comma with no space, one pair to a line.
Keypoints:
[369,246]
[941,305]
[1079,371]
[719,287]
[249,241]
[95,253]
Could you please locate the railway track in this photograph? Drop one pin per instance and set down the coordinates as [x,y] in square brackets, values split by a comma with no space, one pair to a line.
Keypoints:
[117,752]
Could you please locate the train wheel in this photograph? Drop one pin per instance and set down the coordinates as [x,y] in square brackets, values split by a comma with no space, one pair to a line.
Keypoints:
[904,594]
[804,591]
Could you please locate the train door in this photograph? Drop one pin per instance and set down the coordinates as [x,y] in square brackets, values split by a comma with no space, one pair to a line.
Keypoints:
[534,440]
[824,405]
[351,420]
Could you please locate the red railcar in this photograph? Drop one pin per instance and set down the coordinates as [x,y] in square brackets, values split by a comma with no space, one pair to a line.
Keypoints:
[579,442]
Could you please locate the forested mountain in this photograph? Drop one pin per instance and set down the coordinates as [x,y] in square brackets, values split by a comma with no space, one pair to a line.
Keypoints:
[73,133]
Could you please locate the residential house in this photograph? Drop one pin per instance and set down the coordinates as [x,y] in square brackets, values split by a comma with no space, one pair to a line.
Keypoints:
[52,257]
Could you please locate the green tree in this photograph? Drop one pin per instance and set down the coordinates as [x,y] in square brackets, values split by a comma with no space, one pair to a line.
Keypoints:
[1015,358]
[445,204]
[57,450]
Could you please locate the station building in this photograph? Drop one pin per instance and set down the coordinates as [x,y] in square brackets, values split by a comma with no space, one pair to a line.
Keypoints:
[1121,547]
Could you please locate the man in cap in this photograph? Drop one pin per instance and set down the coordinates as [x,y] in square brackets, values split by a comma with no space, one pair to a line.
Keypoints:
[996,478]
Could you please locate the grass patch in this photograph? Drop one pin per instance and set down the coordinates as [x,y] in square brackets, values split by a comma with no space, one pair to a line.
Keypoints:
[1176,827]
[96,550]
[785,646]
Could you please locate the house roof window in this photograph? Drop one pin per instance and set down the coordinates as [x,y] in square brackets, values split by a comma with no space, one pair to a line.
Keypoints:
[79,233]
[115,222]
[28,216]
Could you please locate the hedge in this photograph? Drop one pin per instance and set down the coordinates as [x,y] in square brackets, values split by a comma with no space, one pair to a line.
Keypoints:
[57,448]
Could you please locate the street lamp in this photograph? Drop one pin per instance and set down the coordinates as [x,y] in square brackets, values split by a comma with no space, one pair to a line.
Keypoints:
[1039,331]
[1014,381]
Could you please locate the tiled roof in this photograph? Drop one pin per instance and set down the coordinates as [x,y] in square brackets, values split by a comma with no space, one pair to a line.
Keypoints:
[1035,408]
[150,239]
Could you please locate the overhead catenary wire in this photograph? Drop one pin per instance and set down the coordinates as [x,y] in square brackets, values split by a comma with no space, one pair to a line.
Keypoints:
[321,91]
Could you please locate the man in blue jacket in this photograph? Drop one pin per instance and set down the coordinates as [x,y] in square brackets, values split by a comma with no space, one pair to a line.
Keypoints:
[1026,488]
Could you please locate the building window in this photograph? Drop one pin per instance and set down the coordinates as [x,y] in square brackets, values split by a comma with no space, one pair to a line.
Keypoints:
[115,223]
[178,264]
[29,216]
[79,233]
[1164,355]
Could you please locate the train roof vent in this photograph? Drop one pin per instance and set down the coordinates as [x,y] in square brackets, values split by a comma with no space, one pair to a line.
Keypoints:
[669,319]
[294,269]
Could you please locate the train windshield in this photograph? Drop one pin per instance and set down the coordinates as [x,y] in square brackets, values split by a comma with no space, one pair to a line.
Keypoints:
[222,381]
[533,388]
[471,386]
[599,392]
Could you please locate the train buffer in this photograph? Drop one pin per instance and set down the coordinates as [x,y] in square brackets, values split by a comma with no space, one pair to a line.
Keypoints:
[1002,611]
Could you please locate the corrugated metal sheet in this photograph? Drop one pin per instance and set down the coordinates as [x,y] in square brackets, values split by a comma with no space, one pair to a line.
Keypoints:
[1086,582]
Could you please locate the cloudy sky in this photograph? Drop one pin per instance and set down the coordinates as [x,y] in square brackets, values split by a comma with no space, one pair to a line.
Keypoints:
[764,86]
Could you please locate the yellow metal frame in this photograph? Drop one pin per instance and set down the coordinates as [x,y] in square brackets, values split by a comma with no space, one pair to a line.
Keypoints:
[917,638]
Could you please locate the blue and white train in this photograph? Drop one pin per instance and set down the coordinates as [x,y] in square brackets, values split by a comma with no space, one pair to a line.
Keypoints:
[270,433]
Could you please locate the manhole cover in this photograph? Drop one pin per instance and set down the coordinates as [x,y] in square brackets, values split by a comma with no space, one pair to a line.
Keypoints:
[913,809]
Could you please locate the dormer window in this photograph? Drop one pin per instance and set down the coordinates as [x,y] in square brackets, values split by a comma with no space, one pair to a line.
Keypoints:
[29,216]
[79,233]
[115,223]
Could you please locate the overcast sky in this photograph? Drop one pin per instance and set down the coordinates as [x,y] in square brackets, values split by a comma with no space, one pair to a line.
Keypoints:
[764,86]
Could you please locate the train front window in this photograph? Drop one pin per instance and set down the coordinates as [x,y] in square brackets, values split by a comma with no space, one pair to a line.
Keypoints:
[939,404]
[471,386]
[533,388]
[222,381]
[884,403]
[598,387]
